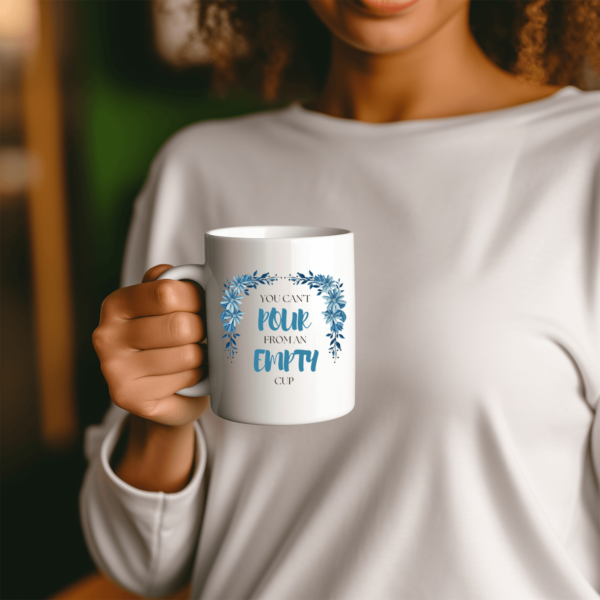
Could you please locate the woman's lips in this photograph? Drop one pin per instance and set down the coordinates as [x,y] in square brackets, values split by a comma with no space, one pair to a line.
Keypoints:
[389,7]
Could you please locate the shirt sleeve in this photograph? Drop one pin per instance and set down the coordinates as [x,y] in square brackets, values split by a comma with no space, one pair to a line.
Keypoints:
[144,541]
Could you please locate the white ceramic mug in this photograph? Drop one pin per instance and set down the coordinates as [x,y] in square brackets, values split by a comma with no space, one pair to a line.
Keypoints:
[280,323]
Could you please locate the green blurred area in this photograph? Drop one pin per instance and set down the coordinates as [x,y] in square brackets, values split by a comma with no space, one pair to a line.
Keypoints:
[130,105]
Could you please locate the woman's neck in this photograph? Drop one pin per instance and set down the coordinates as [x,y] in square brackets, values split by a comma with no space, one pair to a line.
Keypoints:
[446,75]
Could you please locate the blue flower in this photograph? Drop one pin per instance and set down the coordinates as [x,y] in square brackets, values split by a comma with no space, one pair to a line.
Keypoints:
[337,326]
[335,300]
[229,326]
[319,279]
[328,283]
[231,300]
[236,317]
[238,285]
[233,318]
[332,317]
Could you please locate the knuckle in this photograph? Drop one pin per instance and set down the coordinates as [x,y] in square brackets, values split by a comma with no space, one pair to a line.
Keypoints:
[193,376]
[181,326]
[121,395]
[143,410]
[191,356]
[101,338]
[105,338]
[155,412]
[111,369]
[98,338]
[165,294]
[108,304]
[128,396]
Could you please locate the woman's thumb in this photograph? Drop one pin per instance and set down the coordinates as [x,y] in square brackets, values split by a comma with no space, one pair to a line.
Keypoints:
[154,272]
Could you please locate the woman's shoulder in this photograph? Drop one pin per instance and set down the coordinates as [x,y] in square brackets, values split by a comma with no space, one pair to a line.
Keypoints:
[230,134]
[561,127]
[574,107]
[575,102]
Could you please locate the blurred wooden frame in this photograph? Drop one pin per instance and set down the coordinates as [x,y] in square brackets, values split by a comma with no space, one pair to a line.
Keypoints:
[49,234]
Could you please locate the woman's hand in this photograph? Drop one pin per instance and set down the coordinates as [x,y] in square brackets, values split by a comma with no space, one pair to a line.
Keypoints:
[148,345]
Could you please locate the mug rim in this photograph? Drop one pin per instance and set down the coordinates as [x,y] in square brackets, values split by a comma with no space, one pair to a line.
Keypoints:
[278,232]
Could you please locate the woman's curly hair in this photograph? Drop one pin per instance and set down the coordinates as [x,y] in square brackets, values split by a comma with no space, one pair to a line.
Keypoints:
[283,46]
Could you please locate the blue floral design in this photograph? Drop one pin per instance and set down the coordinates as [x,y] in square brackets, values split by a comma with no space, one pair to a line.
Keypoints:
[335,317]
[233,294]
[328,283]
[231,300]
[238,285]
[335,300]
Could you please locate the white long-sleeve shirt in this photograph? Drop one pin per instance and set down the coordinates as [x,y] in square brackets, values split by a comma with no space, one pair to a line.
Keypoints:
[470,466]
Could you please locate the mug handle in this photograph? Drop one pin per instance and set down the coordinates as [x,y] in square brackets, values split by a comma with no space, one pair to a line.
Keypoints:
[198,274]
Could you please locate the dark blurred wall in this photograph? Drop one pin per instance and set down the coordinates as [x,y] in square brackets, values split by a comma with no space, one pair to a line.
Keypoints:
[121,102]
[18,386]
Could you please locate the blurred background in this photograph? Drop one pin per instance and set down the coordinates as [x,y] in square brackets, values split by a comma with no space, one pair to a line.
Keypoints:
[89,90]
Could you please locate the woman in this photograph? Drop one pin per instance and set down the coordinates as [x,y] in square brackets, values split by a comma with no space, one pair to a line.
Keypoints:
[469,468]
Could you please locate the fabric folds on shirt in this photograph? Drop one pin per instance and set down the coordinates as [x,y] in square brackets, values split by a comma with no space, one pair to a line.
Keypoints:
[469,468]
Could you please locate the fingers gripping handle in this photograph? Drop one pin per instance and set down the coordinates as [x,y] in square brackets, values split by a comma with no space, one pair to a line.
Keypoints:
[199,275]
